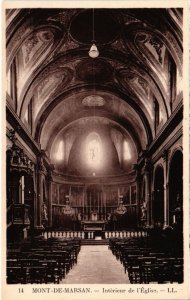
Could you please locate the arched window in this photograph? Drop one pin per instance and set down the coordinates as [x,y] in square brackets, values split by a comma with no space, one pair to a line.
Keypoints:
[59,154]
[93,148]
[126,151]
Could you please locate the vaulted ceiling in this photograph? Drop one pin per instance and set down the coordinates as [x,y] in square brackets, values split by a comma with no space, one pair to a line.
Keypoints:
[68,88]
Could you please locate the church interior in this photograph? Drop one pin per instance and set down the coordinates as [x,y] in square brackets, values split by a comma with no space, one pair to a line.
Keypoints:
[94,145]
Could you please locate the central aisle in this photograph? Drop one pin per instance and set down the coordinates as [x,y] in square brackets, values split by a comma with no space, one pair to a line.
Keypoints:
[96,264]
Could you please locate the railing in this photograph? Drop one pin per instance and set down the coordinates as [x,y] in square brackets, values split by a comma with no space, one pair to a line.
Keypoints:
[90,234]
[69,234]
[125,234]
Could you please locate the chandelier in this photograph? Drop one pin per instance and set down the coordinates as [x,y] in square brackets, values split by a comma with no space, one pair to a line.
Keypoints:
[93,52]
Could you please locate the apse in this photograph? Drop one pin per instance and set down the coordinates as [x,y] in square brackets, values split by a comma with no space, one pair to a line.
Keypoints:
[93,146]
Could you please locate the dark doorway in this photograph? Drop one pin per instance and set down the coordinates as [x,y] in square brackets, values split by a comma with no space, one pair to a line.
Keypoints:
[176,188]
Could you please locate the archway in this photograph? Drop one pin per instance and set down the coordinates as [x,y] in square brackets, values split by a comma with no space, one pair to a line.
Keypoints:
[176,188]
[158,204]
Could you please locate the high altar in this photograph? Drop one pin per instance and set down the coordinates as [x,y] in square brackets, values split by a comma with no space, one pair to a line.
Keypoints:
[93,223]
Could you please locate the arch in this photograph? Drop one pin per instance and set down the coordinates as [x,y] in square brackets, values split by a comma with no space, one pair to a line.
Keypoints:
[173,152]
[138,111]
[124,125]
[158,201]
[176,188]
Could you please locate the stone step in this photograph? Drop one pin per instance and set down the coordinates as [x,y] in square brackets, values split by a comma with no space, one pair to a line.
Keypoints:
[94,242]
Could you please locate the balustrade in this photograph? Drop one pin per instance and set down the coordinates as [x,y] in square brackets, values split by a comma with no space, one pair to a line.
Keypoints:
[124,234]
[67,234]
[90,234]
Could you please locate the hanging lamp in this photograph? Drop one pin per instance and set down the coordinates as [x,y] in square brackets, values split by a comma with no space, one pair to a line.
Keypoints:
[93,52]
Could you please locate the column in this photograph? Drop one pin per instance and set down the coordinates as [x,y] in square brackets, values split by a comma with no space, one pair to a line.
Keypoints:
[102,204]
[148,172]
[35,199]
[147,195]
[138,199]
[39,197]
[50,205]
[166,186]
[19,192]
[167,204]
[105,208]
[118,195]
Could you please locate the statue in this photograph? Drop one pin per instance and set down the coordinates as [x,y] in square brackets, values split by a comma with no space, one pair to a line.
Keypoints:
[68,210]
[79,216]
[44,212]
[121,209]
[143,210]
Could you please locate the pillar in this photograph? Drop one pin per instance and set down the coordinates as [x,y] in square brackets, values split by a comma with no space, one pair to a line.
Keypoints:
[166,187]
[148,188]
[148,195]
[40,176]
[50,204]
[138,183]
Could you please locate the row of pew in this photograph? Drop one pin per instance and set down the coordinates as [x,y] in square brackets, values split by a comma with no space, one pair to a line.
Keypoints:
[42,261]
[146,264]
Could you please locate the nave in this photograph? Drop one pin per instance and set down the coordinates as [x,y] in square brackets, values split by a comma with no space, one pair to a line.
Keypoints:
[116,260]
[96,264]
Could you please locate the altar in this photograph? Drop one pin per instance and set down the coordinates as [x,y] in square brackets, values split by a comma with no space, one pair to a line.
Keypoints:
[93,225]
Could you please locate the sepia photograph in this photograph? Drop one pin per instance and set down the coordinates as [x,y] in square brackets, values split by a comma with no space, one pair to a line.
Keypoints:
[95,199]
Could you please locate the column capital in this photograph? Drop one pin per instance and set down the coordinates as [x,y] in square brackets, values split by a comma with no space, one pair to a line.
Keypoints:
[165,154]
[148,165]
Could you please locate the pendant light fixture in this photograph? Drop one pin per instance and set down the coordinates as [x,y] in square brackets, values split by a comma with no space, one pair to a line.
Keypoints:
[93,52]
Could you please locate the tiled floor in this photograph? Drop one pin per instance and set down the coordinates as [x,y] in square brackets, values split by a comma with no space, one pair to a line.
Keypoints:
[96,264]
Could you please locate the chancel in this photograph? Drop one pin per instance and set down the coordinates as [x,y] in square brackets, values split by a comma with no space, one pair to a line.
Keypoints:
[94,131]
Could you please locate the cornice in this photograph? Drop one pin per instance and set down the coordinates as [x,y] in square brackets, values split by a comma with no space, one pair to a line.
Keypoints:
[108,180]
[168,145]
[169,126]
